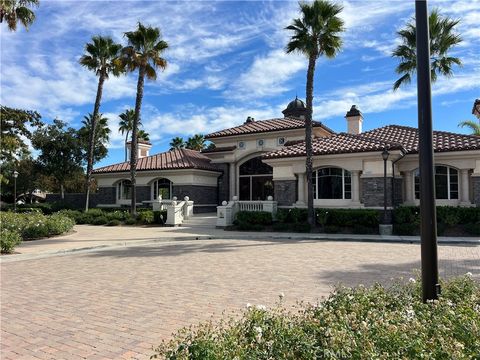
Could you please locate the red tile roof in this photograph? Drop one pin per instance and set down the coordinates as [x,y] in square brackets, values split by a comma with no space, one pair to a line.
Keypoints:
[219,149]
[392,137]
[170,160]
[262,126]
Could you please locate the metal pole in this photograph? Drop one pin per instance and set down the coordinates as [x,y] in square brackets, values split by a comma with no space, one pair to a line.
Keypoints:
[385,191]
[428,216]
[15,194]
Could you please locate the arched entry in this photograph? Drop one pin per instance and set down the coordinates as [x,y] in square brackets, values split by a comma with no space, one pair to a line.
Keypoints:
[255,180]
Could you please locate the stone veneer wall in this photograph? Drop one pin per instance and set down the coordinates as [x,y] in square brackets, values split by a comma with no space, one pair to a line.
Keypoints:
[476,190]
[224,183]
[200,195]
[285,192]
[104,195]
[372,192]
[144,193]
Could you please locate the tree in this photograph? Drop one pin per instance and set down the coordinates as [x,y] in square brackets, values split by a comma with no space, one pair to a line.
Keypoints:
[315,34]
[442,39]
[15,11]
[61,152]
[196,142]
[474,126]
[177,143]
[142,135]
[126,125]
[100,56]
[142,54]
[102,136]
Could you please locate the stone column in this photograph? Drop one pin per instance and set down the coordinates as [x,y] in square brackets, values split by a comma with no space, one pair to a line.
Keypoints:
[355,186]
[464,189]
[232,177]
[301,189]
[409,191]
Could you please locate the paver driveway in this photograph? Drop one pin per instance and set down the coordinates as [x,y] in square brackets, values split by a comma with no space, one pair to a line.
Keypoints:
[118,303]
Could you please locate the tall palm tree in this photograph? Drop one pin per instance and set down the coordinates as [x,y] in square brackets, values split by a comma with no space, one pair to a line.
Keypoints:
[100,56]
[142,135]
[474,126]
[102,135]
[126,125]
[316,33]
[442,39]
[143,53]
[196,142]
[177,143]
[14,11]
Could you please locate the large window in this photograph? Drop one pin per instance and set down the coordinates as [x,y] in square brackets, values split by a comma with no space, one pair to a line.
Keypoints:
[124,190]
[162,187]
[332,183]
[446,183]
[255,180]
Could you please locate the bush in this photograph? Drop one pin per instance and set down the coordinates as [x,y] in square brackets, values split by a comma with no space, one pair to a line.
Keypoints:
[113,222]
[160,217]
[405,229]
[8,240]
[293,215]
[473,229]
[145,217]
[130,221]
[36,225]
[99,220]
[119,215]
[350,217]
[301,227]
[254,217]
[280,226]
[358,323]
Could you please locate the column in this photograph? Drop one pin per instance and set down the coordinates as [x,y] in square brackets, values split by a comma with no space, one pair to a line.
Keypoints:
[408,178]
[301,189]
[355,186]
[232,178]
[464,189]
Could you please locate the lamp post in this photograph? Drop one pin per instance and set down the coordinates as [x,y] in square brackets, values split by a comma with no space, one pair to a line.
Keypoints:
[428,214]
[15,175]
[385,155]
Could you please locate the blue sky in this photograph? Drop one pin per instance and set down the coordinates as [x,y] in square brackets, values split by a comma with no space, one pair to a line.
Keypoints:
[226,62]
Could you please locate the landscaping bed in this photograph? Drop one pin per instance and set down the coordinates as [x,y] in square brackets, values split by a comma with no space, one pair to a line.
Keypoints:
[352,323]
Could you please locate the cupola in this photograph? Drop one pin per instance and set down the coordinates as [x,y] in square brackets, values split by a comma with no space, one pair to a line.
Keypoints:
[295,108]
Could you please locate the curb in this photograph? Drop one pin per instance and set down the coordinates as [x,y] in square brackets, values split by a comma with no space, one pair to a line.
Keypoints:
[256,237]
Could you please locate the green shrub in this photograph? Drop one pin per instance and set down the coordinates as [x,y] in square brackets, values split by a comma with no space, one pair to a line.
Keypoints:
[473,229]
[99,220]
[301,227]
[130,221]
[351,217]
[331,229]
[36,225]
[352,323]
[254,217]
[293,215]
[280,226]
[8,240]
[75,215]
[160,217]
[406,229]
[119,215]
[145,217]
[113,222]
[246,226]
[29,210]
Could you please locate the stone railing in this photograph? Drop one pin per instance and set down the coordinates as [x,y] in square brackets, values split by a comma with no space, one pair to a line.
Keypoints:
[177,211]
[227,211]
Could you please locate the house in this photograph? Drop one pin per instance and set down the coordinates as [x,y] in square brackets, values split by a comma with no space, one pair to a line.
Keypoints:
[265,158]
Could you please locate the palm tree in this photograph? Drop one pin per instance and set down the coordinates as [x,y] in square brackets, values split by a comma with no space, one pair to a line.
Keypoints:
[442,39]
[472,125]
[126,125]
[143,53]
[142,135]
[100,56]
[177,143]
[102,135]
[315,34]
[14,11]
[196,142]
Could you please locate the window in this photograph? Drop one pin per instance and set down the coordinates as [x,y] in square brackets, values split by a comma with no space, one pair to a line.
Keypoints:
[255,180]
[124,190]
[260,142]
[162,187]
[446,183]
[332,183]
[241,145]
[281,141]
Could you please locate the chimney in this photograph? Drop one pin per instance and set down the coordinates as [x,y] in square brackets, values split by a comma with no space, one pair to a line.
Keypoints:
[249,120]
[354,120]
[143,148]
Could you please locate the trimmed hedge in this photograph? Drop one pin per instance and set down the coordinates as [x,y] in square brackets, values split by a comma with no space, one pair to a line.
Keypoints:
[115,217]
[252,220]
[8,240]
[352,323]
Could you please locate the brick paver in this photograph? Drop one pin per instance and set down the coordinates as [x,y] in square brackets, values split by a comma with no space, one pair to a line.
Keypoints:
[118,303]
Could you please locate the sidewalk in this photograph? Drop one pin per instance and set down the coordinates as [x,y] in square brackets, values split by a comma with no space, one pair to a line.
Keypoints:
[88,237]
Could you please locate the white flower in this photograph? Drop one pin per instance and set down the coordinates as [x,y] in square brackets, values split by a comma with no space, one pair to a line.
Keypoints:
[258,336]
[249,305]
[281,295]
[261,307]
[469,274]
[412,280]
[410,314]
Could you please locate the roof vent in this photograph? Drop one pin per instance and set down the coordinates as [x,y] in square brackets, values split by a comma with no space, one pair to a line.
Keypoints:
[249,120]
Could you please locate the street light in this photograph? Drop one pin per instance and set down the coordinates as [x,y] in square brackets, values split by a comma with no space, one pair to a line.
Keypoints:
[15,175]
[385,155]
